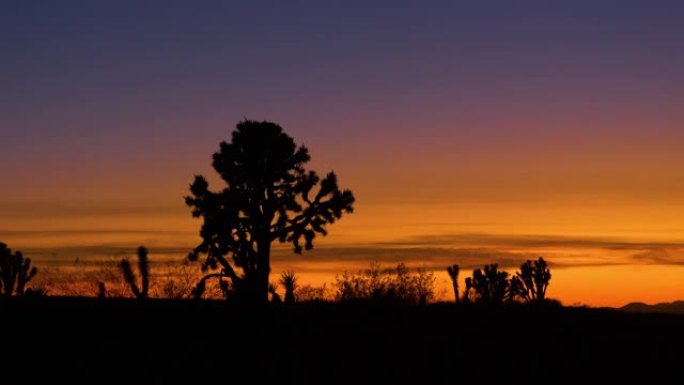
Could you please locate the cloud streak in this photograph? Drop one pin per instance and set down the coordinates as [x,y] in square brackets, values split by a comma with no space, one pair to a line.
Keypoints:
[84,232]
[532,241]
[468,250]
[48,209]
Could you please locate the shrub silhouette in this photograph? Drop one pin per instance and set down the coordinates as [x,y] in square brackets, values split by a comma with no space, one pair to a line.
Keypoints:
[15,271]
[199,289]
[531,282]
[386,285]
[453,274]
[424,282]
[36,292]
[269,197]
[491,286]
[177,280]
[275,297]
[144,270]
[102,289]
[289,281]
[308,293]
[228,288]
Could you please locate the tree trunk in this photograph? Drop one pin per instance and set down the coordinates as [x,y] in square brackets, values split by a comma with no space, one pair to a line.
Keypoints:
[456,293]
[263,270]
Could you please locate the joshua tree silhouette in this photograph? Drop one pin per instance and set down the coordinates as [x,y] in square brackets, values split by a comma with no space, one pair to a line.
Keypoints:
[144,269]
[15,271]
[531,282]
[490,286]
[453,274]
[269,196]
[468,289]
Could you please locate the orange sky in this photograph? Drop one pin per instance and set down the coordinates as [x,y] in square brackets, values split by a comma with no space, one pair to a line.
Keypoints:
[604,252]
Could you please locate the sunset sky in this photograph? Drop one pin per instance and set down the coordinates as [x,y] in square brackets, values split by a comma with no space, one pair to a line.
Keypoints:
[470,132]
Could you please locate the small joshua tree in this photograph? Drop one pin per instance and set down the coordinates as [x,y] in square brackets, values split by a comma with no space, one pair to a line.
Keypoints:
[15,271]
[144,269]
[492,285]
[289,281]
[453,274]
[531,282]
[468,287]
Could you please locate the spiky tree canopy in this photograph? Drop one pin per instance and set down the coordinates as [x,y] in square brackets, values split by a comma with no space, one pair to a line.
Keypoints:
[269,196]
[531,282]
[490,284]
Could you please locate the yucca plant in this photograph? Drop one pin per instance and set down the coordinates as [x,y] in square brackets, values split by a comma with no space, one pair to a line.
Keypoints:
[15,271]
[289,281]
[144,270]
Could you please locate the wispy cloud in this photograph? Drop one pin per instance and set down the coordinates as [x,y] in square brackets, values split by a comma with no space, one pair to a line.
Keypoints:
[49,209]
[660,256]
[468,250]
[532,241]
[69,254]
[84,232]
[474,250]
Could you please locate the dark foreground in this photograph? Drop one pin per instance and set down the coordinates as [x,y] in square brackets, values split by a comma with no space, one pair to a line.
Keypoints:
[124,341]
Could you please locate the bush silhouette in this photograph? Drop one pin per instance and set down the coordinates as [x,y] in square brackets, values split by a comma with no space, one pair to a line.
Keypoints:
[531,282]
[275,297]
[269,196]
[36,292]
[386,285]
[144,269]
[453,274]
[289,281]
[15,271]
[491,285]
[102,289]
[308,293]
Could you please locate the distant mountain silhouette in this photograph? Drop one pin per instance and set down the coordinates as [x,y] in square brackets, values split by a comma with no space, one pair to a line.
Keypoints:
[676,307]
